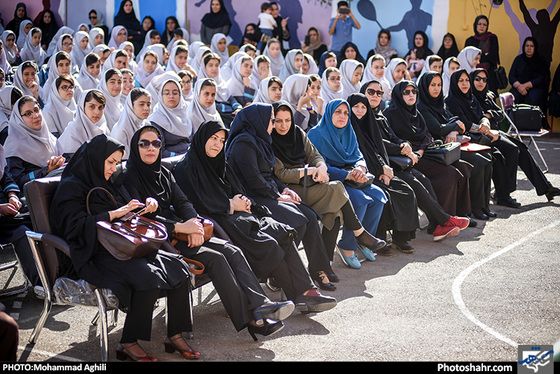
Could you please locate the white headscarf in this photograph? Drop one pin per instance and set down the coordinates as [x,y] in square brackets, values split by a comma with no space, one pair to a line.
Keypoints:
[85,79]
[142,76]
[5,106]
[81,129]
[132,64]
[53,45]
[313,68]
[10,54]
[58,113]
[193,49]
[326,91]
[197,113]
[466,57]
[171,65]
[261,96]
[214,47]
[127,125]
[113,106]
[255,77]
[347,68]
[369,76]
[33,146]
[18,82]
[197,63]
[446,76]
[31,51]
[294,88]
[288,68]
[147,42]
[235,84]
[226,70]
[93,33]
[222,91]
[22,36]
[78,53]
[391,67]
[185,37]
[156,83]
[173,120]
[277,63]
[53,74]
[113,43]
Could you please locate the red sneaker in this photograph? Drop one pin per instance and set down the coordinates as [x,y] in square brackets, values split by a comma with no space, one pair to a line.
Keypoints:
[460,222]
[443,232]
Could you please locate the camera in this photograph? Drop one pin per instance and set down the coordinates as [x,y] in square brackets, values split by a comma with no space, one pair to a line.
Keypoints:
[344,11]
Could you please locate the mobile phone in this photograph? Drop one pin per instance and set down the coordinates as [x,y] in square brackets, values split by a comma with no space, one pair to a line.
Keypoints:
[344,11]
[307,40]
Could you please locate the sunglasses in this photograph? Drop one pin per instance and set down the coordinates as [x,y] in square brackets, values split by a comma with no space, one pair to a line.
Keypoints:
[413,91]
[145,143]
[480,79]
[372,92]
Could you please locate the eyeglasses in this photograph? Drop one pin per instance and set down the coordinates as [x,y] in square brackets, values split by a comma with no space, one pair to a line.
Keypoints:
[66,87]
[372,92]
[481,79]
[413,91]
[335,79]
[145,143]
[35,110]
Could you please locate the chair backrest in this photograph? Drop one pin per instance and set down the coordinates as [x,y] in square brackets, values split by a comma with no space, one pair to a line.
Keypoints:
[38,196]
[507,100]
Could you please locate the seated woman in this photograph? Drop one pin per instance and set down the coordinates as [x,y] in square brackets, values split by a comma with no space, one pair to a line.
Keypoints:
[493,112]
[397,70]
[178,59]
[375,70]
[297,92]
[469,58]
[331,85]
[336,141]
[136,282]
[433,63]
[239,290]
[8,97]
[416,56]
[203,105]
[351,74]
[88,122]
[111,87]
[89,72]
[273,51]
[250,154]
[270,90]
[26,79]
[383,46]
[450,182]
[400,215]
[60,64]
[170,119]
[328,59]
[226,105]
[61,106]
[128,84]
[441,224]
[299,165]
[241,84]
[350,51]
[449,67]
[148,68]
[442,127]
[134,116]
[309,66]
[292,64]
[31,150]
[208,179]
[261,69]
[528,76]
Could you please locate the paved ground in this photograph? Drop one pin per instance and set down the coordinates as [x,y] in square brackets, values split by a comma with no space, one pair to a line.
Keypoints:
[475,297]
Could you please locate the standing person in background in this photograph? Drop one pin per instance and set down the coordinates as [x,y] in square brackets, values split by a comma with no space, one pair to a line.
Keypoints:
[217,20]
[281,31]
[48,27]
[96,19]
[20,15]
[341,26]
[488,44]
[127,18]
[171,24]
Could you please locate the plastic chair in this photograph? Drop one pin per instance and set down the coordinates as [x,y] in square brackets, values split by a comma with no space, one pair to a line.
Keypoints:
[507,101]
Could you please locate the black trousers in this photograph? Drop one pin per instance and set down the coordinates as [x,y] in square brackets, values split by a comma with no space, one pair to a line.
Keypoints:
[480,182]
[351,222]
[138,323]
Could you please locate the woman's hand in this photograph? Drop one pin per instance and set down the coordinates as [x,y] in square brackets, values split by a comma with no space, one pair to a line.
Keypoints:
[388,171]
[241,203]
[320,174]
[13,199]
[385,179]
[451,137]
[54,163]
[194,230]
[123,210]
[289,196]
[151,205]
[7,209]
[357,175]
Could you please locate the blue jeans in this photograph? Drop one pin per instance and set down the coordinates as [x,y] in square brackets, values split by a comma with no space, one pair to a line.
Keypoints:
[261,45]
[369,215]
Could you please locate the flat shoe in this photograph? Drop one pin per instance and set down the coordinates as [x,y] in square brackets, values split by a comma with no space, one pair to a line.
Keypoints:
[509,202]
[368,253]
[350,261]
[403,247]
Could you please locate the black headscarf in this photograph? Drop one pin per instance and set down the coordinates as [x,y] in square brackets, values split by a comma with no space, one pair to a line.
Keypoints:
[535,65]
[342,54]
[462,104]
[451,52]
[15,22]
[427,103]
[215,20]
[289,148]
[208,182]
[128,20]
[370,139]
[250,126]
[423,51]
[48,29]
[68,213]
[405,120]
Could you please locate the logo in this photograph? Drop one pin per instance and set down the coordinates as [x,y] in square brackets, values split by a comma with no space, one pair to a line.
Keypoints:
[534,359]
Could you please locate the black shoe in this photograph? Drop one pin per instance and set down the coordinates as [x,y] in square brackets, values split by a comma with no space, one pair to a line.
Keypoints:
[332,276]
[472,222]
[314,303]
[479,214]
[553,191]
[365,239]
[509,202]
[489,213]
[277,311]
[319,277]
[403,247]
[269,328]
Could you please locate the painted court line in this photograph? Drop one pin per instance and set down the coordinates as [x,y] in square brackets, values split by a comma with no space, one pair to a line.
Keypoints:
[456,289]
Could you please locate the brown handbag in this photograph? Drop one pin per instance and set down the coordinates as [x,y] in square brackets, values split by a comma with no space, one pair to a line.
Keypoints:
[196,267]
[132,236]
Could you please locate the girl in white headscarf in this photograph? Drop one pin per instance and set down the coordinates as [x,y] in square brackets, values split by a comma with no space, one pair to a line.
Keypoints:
[178,58]
[375,70]
[119,35]
[352,71]
[96,37]
[128,47]
[331,84]
[292,64]
[10,48]
[226,70]
[297,93]
[61,106]
[22,34]
[110,85]
[88,122]
[396,71]
[270,90]
[170,119]
[118,59]
[218,45]
[31,150]
[32,48]
[273,51]
[241,85]
[152,37]
[309,65]
[261,69]
[60,64]
[52,49]
[134,116]
[148,68]
[469,58]
[8,95]
[203,107]
[193,49]
[449,66]
[81,46]
[26,79]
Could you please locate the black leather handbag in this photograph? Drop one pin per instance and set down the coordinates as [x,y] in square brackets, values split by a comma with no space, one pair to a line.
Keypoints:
[400,163]
[444,153]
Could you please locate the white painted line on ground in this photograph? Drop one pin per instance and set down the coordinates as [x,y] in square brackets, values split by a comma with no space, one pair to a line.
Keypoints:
[456,289]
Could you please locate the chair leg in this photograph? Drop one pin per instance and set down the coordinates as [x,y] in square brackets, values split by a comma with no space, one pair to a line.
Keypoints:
[102,321]
[540,154]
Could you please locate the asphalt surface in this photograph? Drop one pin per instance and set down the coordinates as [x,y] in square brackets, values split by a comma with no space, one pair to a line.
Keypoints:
[475,297]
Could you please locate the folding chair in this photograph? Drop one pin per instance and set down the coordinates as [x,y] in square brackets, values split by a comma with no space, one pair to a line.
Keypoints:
[507,102]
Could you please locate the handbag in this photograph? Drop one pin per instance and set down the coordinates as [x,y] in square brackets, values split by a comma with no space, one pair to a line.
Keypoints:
[401,163]
[353,184]
[195,267]
[444,153]
[527,117]
[501,77]
[133,236]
